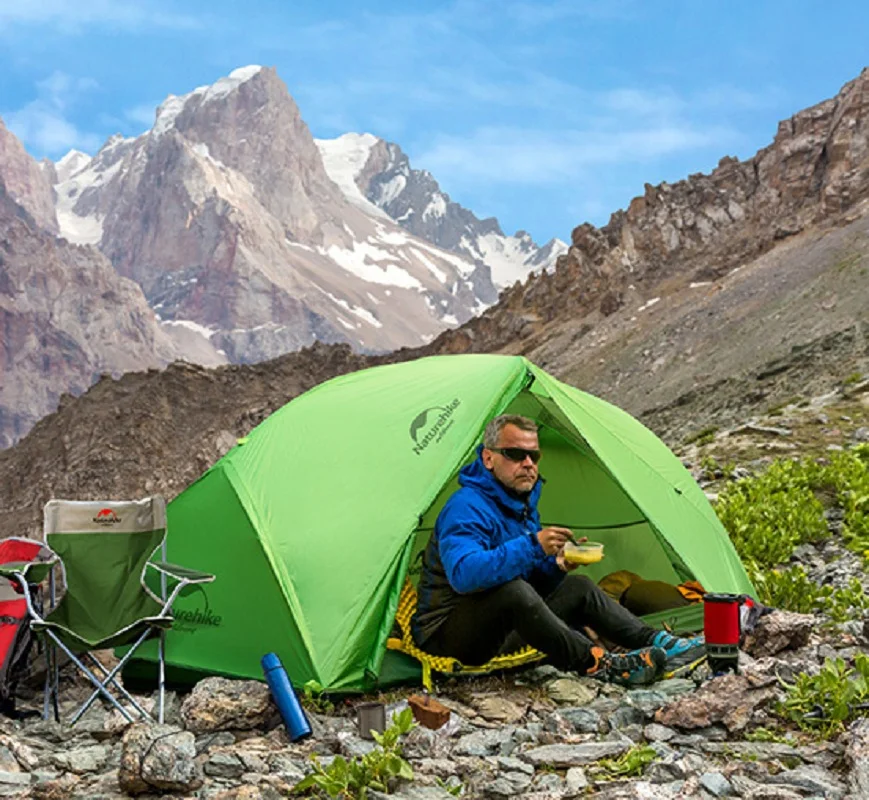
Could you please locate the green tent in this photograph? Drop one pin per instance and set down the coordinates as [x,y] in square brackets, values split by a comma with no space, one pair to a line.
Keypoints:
[312,523]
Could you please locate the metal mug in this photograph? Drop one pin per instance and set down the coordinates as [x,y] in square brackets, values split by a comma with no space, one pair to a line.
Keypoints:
[370,716]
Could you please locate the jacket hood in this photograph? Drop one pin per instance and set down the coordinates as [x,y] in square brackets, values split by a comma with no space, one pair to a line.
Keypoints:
[476,476]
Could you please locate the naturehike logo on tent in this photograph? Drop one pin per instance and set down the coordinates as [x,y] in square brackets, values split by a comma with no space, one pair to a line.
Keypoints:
[430,425]
[106,516]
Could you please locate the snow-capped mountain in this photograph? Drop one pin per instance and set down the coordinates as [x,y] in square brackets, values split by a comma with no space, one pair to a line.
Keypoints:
[376,174]
[226,216]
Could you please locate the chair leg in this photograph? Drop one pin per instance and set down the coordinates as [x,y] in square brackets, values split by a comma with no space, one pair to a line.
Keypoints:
[93,678]
[161,652]
[110,679]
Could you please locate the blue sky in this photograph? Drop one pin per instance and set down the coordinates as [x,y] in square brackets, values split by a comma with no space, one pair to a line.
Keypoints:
[545,114]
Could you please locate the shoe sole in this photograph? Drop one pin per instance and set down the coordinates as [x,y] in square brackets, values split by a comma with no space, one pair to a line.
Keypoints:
[684,670]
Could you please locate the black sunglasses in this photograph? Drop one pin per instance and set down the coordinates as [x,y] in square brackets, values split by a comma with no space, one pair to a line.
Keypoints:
[517,454]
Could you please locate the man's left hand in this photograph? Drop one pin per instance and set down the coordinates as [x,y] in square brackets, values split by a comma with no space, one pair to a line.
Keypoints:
[564,566]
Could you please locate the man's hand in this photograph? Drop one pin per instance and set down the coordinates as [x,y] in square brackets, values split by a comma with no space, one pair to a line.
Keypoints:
[552,539]
[563,564]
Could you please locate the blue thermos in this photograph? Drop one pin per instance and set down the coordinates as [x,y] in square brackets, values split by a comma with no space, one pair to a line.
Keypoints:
[298,726]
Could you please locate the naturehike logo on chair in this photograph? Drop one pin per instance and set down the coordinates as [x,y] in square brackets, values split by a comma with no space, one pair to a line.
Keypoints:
[436,431]
[106,516]
[198,617]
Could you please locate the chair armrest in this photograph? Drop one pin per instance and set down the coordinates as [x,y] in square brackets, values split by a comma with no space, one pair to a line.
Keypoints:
[33,571]
[181,573]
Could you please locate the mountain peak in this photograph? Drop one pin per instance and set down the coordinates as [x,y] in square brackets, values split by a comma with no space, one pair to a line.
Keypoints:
[171,107]
[74,161]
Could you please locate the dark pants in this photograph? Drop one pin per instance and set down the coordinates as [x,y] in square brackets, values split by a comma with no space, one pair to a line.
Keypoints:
[503,619]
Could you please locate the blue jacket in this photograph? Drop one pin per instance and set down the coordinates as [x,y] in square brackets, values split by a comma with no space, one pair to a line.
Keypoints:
[484,536]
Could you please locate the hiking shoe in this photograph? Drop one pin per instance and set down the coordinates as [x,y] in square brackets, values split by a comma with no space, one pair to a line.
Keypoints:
[680,652]
[635,668]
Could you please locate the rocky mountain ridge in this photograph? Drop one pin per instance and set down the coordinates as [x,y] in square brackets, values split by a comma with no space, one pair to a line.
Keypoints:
[67,317]
[380,172]
[243,245]
[243,234]
[708,279]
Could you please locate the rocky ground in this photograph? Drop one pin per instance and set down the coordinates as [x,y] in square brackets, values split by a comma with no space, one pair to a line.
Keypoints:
[536,733]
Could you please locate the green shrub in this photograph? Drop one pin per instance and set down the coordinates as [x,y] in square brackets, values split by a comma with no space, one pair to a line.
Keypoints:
[847,477]
[789,589]
[703,436]
[629,764]
[768,515]
[379,769]
[826,702]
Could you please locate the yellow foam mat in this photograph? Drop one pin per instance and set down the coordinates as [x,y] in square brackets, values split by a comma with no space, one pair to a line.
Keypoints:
[446,664]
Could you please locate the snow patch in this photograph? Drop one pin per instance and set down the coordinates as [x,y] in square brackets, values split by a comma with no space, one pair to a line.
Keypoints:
[74,227]
[362,313]
[429,265]
[344,158]
[464,267]
[225,85]
[698,284]
[190,325]
[356,261]
[449,319]
[388,191]
[74,161]
[649,303]
[437,207]
[173,105]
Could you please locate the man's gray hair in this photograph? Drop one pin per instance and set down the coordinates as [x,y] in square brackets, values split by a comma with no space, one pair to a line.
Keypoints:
[494,428]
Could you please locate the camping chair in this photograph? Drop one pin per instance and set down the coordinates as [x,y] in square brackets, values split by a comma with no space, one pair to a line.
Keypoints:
[104,551]
[447,664]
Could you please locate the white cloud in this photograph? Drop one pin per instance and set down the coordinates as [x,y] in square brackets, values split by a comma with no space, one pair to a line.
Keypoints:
[42,124]
[76,16]
[142,114]
[530,156]
[45,130]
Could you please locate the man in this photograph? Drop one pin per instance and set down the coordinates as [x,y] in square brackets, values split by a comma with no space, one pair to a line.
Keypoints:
[493,579]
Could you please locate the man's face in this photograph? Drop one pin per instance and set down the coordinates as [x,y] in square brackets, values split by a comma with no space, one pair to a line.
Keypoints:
[520,476]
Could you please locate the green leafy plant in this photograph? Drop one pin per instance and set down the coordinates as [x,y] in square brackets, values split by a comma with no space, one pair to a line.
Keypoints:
[380,769]
[825,702]
[766,735]
[847,476]
[846,603]
[454,789]
[629,764]
[315,699]
[768,515]
[789,589]
[704,436]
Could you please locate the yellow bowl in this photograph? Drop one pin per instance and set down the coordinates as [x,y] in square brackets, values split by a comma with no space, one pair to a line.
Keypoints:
[583,553]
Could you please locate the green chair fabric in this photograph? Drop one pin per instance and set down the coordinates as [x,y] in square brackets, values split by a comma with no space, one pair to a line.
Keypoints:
[105,549]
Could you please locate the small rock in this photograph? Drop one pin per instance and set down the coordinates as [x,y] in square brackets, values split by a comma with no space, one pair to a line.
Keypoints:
[730,699]
[220,704]
[498,709]
[582,720]
[562,756]
[576,780]
[716,784]
[857,757]
[780,630]
[158,756]
[658,733]
[570,691]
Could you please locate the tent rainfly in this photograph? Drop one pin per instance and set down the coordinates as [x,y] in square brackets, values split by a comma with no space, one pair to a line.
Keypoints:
[313,522]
